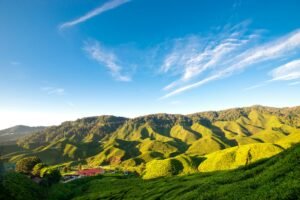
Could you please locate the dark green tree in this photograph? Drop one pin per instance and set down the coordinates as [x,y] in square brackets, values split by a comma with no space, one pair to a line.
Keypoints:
[52,176]
[19,187]
[2,190]
[26,165]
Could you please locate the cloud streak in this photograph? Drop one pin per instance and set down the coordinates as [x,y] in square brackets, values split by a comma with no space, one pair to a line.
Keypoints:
[107,58]
[54,91]
[101,9]
[287,72]
[231,55]
[195,55]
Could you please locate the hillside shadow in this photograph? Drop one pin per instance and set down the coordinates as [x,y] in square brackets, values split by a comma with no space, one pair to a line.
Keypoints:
[129,147]
[221,135]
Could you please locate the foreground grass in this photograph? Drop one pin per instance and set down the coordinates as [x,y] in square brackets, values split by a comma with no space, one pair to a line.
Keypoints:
[275,178]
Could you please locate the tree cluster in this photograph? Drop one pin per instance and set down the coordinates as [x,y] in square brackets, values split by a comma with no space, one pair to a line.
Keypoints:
[33,166]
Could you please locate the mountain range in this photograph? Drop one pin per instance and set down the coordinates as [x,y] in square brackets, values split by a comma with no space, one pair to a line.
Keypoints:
[166,144]
[14,133]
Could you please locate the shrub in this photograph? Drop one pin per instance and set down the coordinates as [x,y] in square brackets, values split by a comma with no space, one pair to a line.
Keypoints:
[26,165]
[51,176]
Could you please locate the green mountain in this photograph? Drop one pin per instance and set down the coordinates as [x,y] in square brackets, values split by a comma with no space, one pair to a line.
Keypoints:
[164,144]
[16,132]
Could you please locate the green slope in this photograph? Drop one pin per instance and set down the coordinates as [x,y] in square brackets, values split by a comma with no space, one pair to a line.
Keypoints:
[276,178]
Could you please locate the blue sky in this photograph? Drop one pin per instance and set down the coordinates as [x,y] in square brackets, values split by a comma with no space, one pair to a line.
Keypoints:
[61,60]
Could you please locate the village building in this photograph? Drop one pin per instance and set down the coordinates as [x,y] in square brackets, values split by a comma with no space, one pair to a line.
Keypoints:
[91,172]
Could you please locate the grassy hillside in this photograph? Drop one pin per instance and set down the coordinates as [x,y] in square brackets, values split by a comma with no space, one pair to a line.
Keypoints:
[275,178]
[177,143]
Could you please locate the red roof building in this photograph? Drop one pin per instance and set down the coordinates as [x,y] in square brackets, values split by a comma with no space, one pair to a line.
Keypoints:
[90,172]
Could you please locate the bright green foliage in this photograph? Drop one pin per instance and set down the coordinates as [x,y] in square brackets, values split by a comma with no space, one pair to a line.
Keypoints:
[70,150]
[276,178]
[161,168]
[26,165]
[289,140]
[189,164]
[204,146]
[157,146]
[36,171]
[183,134]
[235,157]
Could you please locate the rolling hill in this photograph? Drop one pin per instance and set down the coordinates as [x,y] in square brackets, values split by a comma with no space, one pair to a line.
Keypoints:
[275,178]
[14,133]
[176,144]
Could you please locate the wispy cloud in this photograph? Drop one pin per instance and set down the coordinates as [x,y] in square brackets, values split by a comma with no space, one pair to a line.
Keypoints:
[101,9]
[53,91]
[256,86]
[232,54]
[287,72]
[106,57]
[195,55]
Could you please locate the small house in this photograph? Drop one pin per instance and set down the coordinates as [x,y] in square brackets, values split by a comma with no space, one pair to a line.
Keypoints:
[91,172]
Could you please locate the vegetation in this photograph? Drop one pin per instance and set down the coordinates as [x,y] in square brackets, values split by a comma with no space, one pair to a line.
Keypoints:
[51,176]
[276,178]
[19,187]
[224,140]
[37,169]
[209,155]
[26,165]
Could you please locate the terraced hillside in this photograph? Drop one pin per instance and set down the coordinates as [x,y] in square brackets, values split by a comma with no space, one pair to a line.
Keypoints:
[174,144]
[274,178]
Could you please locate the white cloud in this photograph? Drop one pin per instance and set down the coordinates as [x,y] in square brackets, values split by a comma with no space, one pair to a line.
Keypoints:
[54,91]
[195,55]
[255,86]
[101,9]
[107,58]
[190,86]
[287,72]
[230,56]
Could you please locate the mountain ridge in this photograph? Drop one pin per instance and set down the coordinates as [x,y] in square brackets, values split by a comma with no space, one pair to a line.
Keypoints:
[169,140]
[15,132]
